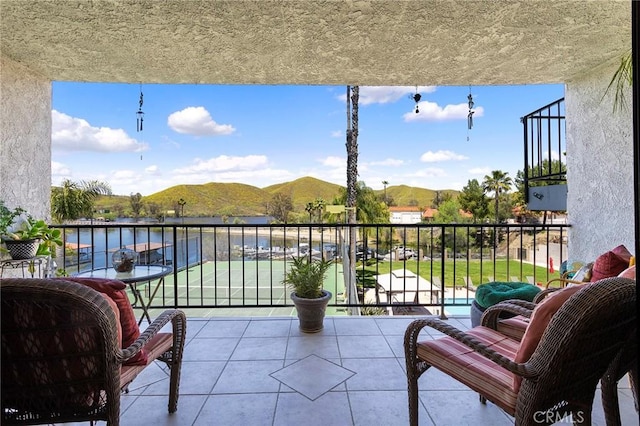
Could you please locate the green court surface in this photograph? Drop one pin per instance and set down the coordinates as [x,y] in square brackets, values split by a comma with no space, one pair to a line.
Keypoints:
[237,289]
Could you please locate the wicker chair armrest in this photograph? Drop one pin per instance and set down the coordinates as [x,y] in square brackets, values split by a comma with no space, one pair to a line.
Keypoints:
[411,346]
[176,316]
[563,282]
[491,315]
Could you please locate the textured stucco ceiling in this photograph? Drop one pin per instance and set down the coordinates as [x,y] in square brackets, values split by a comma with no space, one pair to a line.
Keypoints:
[428,42]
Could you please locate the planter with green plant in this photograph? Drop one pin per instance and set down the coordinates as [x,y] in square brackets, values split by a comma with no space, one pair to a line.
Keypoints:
[306,277]
[32,238]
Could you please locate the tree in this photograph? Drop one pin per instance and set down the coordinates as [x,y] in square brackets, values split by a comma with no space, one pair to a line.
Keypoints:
[385,183]
[280,206]
[135,201]
[473,200]
[439,198]
[72,200]
[498,182]
[622,78]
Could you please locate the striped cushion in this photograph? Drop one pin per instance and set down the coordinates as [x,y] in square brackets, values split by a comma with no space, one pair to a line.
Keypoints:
[513,327]
[474,370]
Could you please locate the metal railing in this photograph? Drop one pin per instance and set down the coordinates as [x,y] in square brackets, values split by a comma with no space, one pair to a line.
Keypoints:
[398,268]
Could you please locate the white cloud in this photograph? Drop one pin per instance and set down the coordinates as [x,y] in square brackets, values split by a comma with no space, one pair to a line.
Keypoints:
[152,170]
[60,170]
[442,155]
[431,111]
[480,171]
[391,162]
[224,163]
[76,134]
[386,94]
[197,121]
[430,172]
[337,134]
[334,161]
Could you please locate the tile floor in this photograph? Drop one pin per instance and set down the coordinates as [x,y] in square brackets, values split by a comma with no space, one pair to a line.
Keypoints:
[264,371]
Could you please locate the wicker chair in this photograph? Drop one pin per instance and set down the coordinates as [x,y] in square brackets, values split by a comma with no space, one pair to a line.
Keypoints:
[626,362]
[61,360]
[576,350]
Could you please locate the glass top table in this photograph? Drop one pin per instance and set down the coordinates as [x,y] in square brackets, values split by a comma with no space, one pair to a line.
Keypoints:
[139,274]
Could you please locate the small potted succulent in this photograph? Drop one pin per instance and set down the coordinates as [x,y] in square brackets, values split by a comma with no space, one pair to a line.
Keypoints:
[306,277]
[33,237]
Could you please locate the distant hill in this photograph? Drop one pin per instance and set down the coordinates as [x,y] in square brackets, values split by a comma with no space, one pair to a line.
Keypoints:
[403,195]
[236,199]
[305,190]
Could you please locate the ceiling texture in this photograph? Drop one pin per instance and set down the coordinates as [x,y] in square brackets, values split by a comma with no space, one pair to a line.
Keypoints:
[385,42]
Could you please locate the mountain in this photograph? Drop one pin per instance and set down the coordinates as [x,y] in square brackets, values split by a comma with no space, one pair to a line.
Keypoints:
[236,199]
[305,190]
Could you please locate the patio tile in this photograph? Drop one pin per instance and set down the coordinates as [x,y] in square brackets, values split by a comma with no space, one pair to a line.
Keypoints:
[312,376]
[375,374]
[152,410]
[268,328]
[462,408]
[248,377]
[356,327]
[383,408]
[254,348]
[222,329]
[218,349]
[332,408]
[357,346]
[255,409]
[322,346]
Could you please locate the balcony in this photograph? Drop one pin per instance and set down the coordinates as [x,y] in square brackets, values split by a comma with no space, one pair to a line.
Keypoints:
[231,270]
[253,371]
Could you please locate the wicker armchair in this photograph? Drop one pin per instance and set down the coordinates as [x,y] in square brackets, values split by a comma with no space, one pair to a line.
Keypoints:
[626,362]
[61,360]
[576,350]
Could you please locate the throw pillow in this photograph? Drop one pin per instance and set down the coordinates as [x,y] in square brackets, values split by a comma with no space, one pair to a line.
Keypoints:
[116,290]
[611,263]
[630,273]
[540,318]
[116,312]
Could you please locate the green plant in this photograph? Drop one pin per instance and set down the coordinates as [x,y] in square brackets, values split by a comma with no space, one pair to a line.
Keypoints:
[306,276]
[8,218]
[37,229]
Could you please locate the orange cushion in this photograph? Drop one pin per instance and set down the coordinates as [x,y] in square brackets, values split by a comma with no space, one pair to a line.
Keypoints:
[611,263]
[116,289]
[540,318]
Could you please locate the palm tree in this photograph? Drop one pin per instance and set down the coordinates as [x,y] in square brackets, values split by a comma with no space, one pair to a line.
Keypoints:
[497,183]
[72,200]
[385,183]
[622,78]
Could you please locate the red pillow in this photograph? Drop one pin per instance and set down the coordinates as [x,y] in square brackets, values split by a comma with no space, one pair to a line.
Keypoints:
[540,318]
[116,312]
[116,290]
[611,263]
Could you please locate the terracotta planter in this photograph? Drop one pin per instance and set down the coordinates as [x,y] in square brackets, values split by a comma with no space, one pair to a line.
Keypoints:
[311,311]
[22,249]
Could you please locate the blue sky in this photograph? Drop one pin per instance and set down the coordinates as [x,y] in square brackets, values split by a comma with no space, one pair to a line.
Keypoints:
[263,135]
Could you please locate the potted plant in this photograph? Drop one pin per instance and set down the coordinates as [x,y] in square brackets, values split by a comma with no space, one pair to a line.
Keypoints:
[305,278]
[32,238]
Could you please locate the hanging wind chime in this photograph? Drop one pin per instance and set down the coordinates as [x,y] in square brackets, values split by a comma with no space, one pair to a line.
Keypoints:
[470,114]
[140,114]
[416,99]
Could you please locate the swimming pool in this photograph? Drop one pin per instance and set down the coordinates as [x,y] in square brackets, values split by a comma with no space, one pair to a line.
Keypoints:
[463,310]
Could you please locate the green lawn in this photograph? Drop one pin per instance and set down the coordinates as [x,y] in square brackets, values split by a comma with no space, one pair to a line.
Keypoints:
[456,270]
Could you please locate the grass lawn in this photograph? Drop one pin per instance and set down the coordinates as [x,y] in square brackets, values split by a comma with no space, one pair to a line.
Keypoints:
[479,271]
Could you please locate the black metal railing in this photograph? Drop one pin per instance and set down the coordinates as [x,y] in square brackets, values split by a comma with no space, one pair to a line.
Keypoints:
[394,267]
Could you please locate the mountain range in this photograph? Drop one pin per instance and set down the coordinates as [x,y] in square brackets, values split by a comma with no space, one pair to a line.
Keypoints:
[236,199]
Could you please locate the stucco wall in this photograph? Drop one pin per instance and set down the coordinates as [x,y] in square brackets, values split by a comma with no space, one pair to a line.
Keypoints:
[25,139]
[600,180]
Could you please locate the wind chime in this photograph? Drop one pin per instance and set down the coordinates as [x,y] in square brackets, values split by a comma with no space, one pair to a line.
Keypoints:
[140,114]
[416,98]
[470,114]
